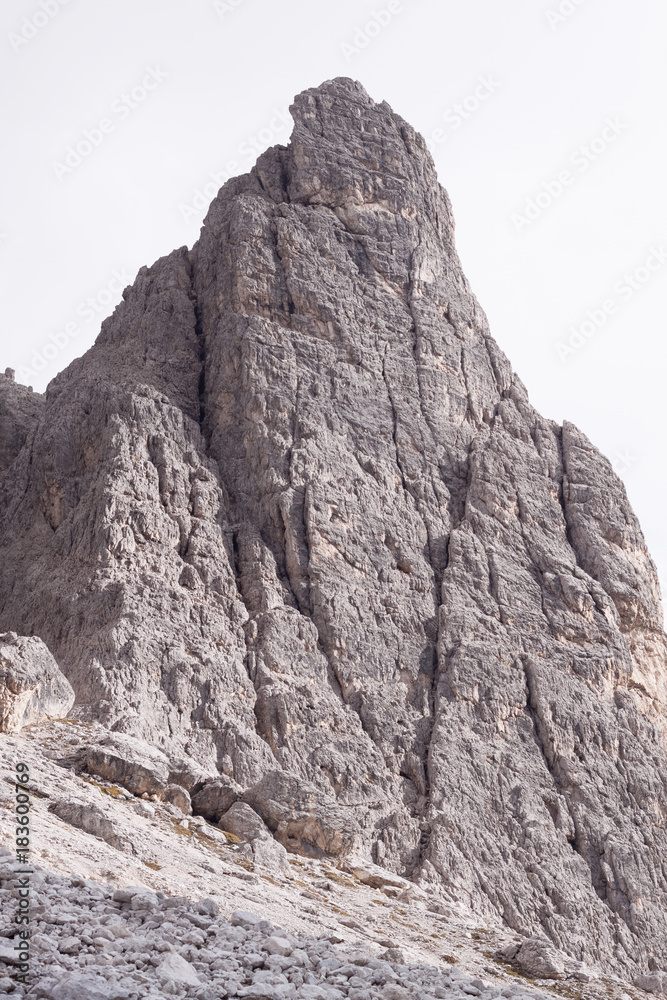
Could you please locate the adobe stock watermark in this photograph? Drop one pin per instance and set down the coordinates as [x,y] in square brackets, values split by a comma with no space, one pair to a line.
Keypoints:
[566,8]
[582,158]
[622,460]
[91,308]
[122,108]
[247,151]
[457,114]
[21,874]
[224,7]
[624,290]
[365,33]
[35,22]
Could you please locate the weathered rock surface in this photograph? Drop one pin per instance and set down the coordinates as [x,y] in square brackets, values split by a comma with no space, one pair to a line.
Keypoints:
[20,410]
[178,797]
[130,762]
[539,958]
[215,798]
[32,686]
[295,511]
[301,816]
[94,820]
[243,822]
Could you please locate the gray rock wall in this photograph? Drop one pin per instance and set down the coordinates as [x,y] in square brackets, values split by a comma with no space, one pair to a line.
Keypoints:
[294,510]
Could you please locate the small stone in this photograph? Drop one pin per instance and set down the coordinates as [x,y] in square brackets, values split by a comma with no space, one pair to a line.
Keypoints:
[242,918]
[277,946]
[69,946]
[145,900]
[175,969]
[208,906]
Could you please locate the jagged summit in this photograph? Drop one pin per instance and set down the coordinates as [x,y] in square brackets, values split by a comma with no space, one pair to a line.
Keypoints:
[294,511]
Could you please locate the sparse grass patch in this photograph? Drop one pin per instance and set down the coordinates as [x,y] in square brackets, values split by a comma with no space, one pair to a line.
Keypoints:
[177,828]
[112,790]
[337,877]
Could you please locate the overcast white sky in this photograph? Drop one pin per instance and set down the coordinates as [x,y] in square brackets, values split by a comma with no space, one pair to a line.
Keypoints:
[547,123]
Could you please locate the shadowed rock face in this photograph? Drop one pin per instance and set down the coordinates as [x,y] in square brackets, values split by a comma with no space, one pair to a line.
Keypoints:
[294,510]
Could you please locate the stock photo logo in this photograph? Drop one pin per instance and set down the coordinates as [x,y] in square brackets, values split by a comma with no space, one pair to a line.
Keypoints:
[94,307]
[564,10]
[624,290]
[365,33]
[223,7]
[457,114]
[555,187]
[252,146]
[31,26]
[92,138]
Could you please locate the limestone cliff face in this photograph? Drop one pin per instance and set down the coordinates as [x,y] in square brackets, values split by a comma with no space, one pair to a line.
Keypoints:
[295,510]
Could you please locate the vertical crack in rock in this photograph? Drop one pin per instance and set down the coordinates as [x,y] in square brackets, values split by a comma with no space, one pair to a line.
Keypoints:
[394,419]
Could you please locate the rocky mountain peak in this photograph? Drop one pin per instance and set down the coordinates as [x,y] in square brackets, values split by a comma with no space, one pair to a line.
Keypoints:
[294,517]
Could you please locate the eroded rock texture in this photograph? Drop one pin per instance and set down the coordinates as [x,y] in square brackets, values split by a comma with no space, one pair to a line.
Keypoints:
[294,510]
[32,686]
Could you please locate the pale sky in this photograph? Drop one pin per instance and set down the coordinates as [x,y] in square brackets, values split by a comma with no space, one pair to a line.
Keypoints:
[546,119]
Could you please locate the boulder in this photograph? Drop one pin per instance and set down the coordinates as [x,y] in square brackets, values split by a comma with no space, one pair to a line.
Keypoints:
[86,986]
[244,823]
[538,957]
[179,797]
[32,686]
[215,797]
[129,762]
[270,854]
[305,819]
[94,820]
[653,982]
[188,773]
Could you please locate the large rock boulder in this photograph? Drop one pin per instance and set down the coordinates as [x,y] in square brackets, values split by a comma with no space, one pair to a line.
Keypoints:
[653,982]
[32,686]
[303,817]
[244,823]
[215,797]
[539,958]
[130,762]
[95,820]
[189,773]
